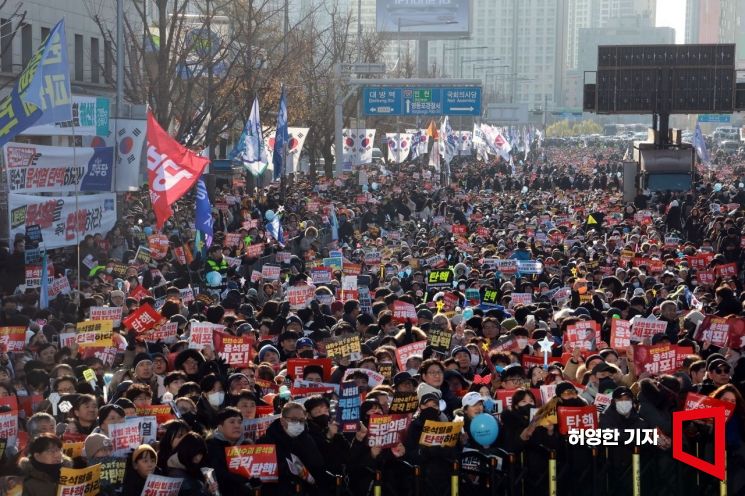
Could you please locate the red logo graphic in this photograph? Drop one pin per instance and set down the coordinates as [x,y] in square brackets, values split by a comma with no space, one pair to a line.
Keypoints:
[717,469]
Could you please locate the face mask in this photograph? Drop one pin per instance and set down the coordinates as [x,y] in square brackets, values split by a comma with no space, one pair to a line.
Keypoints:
[474,360]
[522,343]
[525,409]
[109,270]
[606,384]
[624,407]
[216,399]
[322,420]
[636,285]
[294,429]
[412,372]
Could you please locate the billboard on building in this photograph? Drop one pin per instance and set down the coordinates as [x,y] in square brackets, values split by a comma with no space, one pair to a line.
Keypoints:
[414,19]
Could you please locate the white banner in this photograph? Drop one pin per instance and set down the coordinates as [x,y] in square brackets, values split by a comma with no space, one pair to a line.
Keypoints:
[90,118]
[294,146]
[44,169]
[466,143]
[399,146]
[129,140]
[358,145]
[420,141]
[57,217]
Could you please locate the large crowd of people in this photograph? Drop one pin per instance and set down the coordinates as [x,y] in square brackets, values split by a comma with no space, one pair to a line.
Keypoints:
[393,301]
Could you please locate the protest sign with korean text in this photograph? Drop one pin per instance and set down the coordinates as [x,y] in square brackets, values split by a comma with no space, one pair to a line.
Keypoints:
[654,359]
[403,353]
[235,350]
[79,481]
[253,461]
[107,313]
[96,333]
[348,408]
[385,431]
[440,434]
[576,417]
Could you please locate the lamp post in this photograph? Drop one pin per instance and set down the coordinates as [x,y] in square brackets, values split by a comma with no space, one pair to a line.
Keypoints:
[458,49]
[487,59]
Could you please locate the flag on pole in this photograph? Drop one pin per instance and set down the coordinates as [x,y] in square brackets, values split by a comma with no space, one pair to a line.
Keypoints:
[432,130]
[44,289]
[700,145]
[449,141]
[274,229]
[41,94]
[172,169]
[281,137]
[250,149]
[399,146]
[204,220]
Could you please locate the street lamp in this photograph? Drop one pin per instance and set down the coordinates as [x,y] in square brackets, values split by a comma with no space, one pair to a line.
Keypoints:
[485,67]
[459,49]
[487,59]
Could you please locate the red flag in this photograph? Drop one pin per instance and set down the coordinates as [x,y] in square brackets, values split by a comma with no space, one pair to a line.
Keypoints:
[172,169]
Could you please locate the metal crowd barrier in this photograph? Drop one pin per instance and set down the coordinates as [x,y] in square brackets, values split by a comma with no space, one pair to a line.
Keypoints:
[508,475]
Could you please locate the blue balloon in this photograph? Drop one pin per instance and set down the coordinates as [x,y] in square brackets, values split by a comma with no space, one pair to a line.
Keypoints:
[467,313]
[148,230]
[213,278]
[269,215]
[484,429]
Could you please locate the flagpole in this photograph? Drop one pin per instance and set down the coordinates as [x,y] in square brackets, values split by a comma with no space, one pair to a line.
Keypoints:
[75,221]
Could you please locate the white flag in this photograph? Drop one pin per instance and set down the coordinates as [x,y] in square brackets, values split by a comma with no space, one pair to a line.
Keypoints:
[497,143]
[399,146]
[448,141]
[250,149]
[128,142]
[294,146]
[466,143]
[358,145]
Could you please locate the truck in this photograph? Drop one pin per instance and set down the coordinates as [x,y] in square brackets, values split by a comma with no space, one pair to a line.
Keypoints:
[658,169]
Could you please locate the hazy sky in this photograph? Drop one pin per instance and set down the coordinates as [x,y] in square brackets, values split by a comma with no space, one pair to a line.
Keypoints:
[672,13]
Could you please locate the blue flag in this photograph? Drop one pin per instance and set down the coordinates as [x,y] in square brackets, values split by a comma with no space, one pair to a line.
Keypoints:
[204,220]
[44,289]
[700,145]
[274,229]
[41,94]
[281,138]
[250,150]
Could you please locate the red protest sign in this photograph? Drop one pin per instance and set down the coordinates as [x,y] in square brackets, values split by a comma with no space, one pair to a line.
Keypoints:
[139,292]
[142,319]
[620,334]
[253,461]
[385,431]
[162,413]
[654,359]
[695,401]
[13,338]
[403,311]
[403,353]
[714,329]
[295,366]
[255,251]
[235,350]
[700,261]
[576,417]
[722,331]
[706,277]
[726,270]
[158,244]
[584,334]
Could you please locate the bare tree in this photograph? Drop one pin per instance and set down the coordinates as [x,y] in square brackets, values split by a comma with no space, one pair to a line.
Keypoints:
[17,18]
[198,63]
[335,43]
